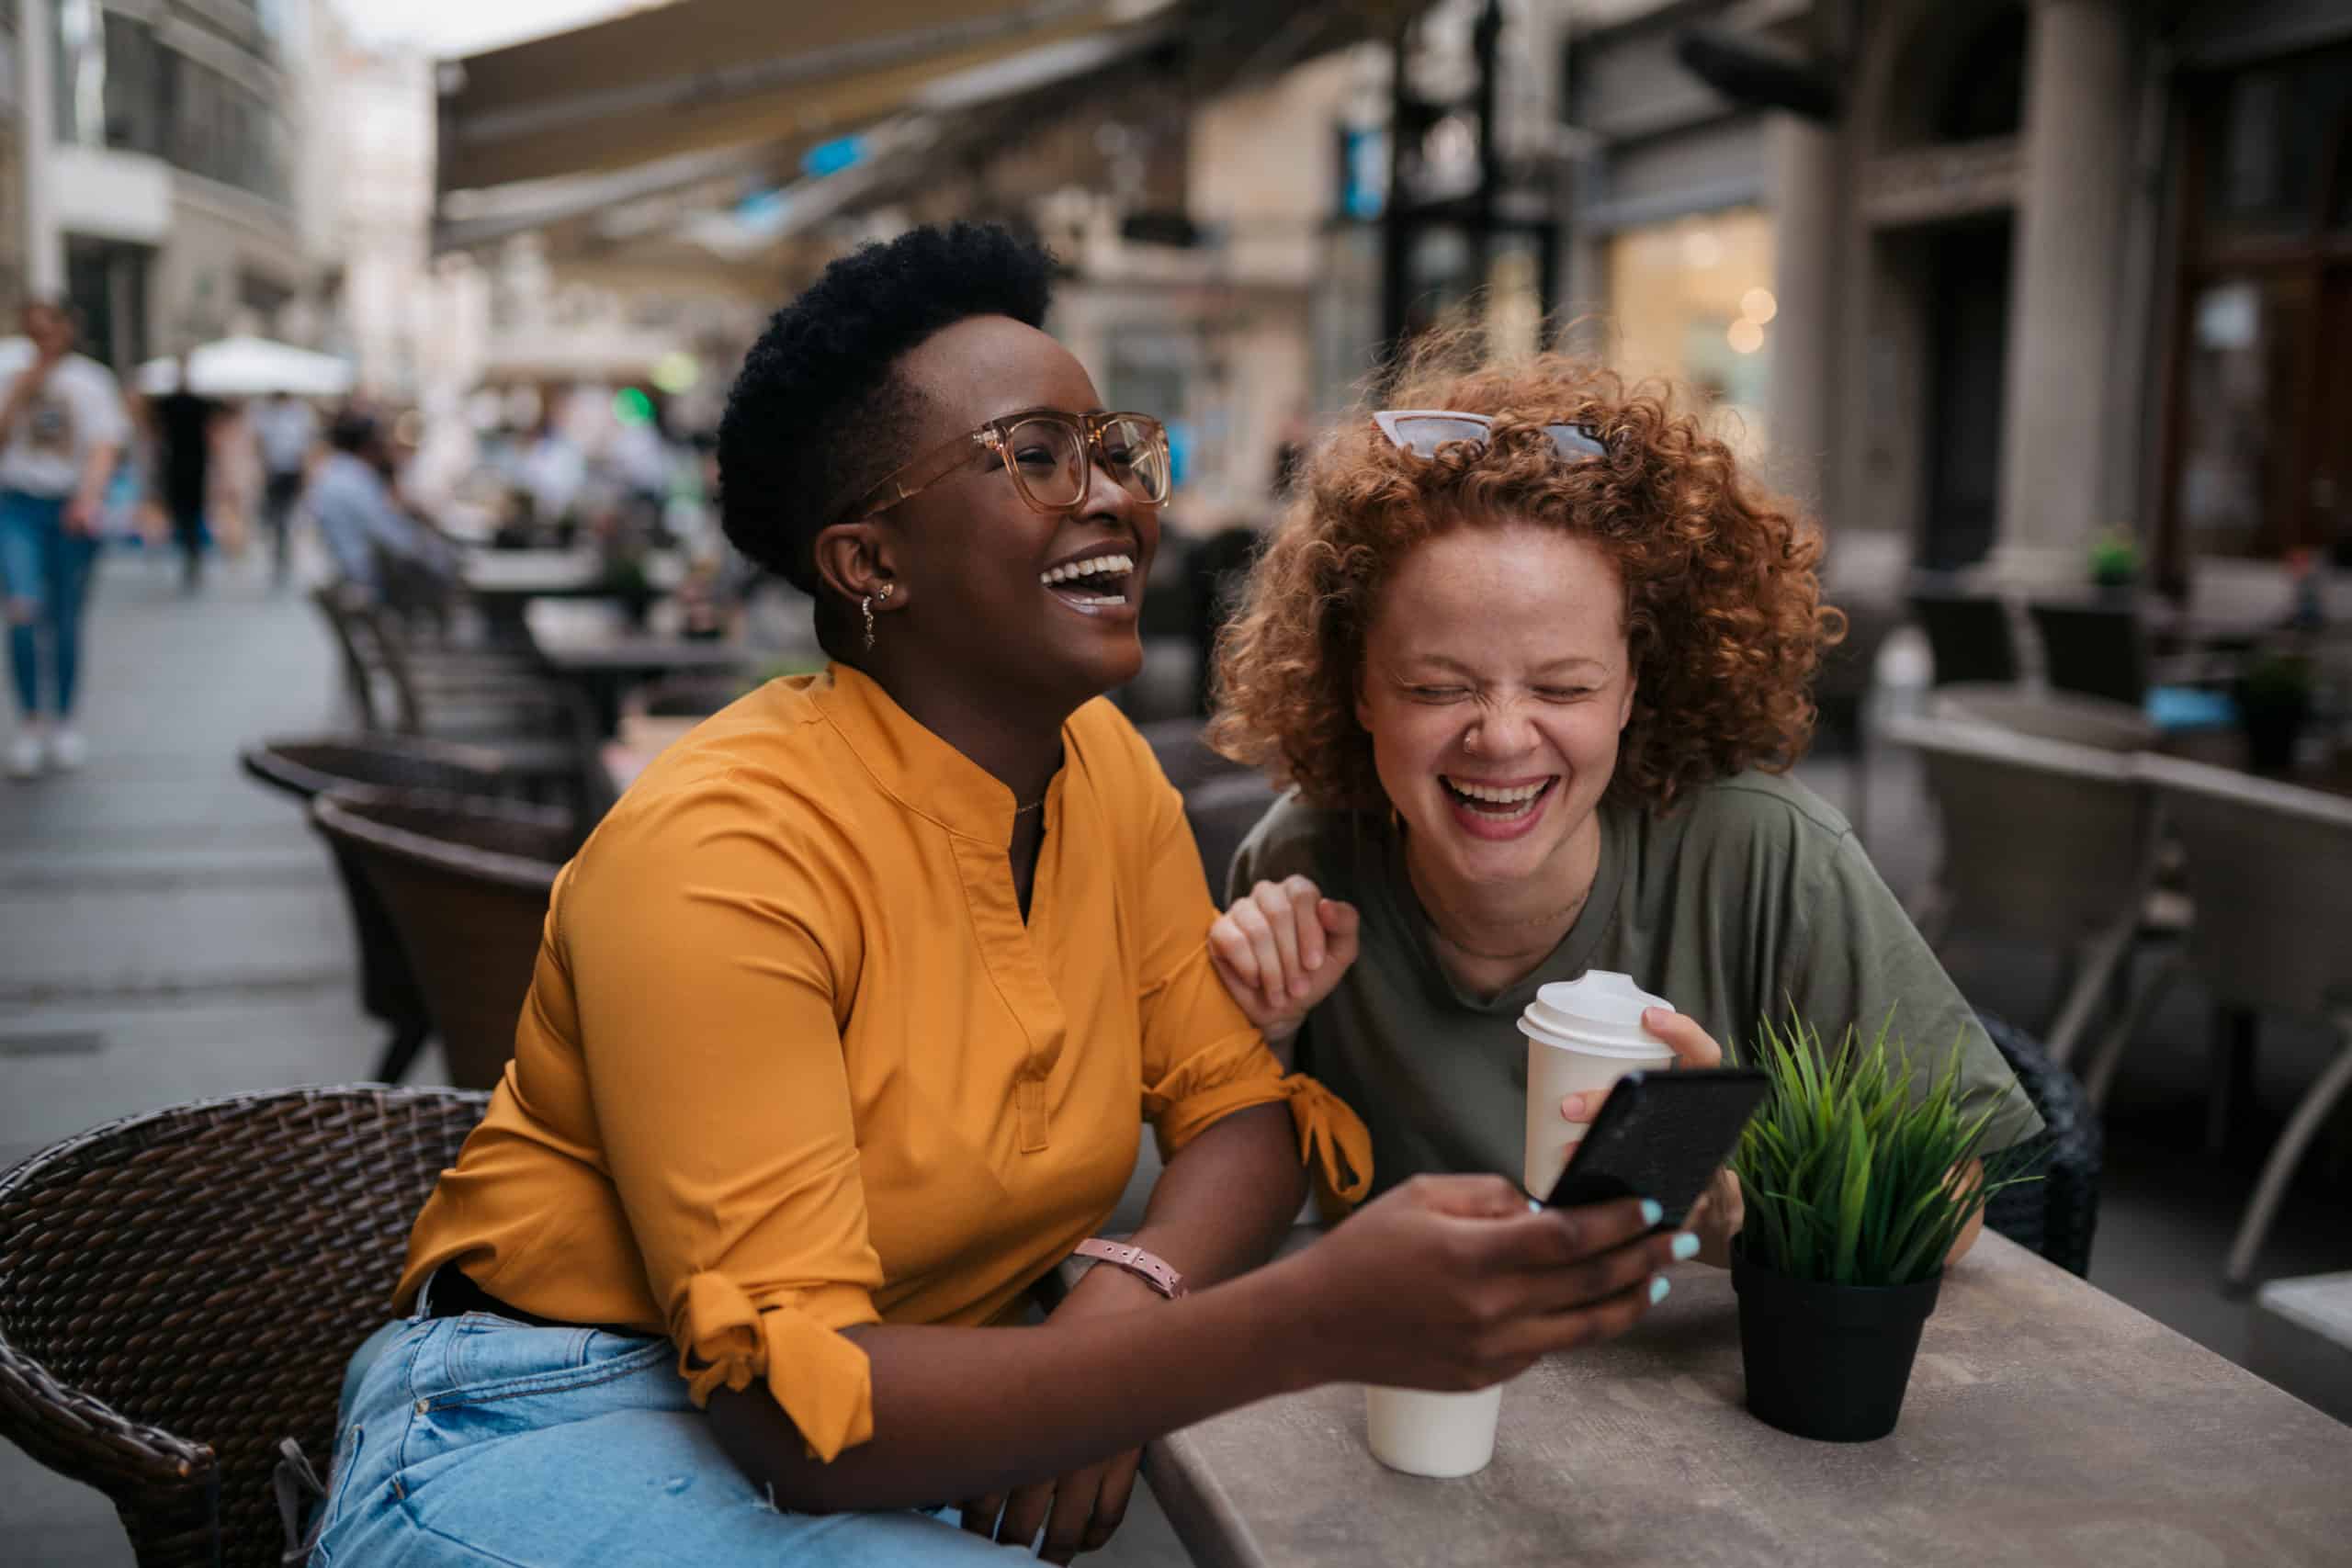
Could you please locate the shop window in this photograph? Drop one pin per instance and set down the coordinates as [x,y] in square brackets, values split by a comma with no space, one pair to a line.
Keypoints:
[2268,143]
[1692,299]
[1985,95]
[2258,404]
[2237,440]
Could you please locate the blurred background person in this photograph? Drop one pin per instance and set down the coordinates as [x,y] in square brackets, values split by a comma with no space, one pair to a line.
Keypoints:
[360,523]
[184,428]
[62,428]
[284,432]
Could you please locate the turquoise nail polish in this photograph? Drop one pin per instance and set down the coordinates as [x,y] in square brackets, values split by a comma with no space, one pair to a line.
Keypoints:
[1658,1288]
[1651,1213]
[1534,1207]
[1686,1247]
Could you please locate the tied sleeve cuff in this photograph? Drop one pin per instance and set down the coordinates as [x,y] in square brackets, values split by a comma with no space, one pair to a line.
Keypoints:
[1332,1140]
[821,1380]
[1329,1125]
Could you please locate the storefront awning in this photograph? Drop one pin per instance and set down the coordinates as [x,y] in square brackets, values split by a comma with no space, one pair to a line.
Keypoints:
[697,75]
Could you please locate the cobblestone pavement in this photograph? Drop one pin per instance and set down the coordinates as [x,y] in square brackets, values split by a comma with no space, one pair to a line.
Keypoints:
[170,931]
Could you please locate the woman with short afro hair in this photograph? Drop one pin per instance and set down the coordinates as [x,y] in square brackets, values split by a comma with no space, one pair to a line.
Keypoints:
[843,1028]
[1536,652]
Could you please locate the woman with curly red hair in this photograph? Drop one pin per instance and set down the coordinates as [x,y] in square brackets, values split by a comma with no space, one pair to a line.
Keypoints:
[1535,654]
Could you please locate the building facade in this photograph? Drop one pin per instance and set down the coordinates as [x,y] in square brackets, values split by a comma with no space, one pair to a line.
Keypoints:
[2055,268]
[163,143]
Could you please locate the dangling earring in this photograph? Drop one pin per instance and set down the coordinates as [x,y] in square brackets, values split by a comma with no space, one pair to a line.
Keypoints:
[869,607]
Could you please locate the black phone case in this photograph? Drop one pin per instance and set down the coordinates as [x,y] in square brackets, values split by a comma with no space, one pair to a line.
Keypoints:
[1662,1137]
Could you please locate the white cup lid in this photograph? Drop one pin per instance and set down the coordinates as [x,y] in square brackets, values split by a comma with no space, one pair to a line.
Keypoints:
[1601,1011]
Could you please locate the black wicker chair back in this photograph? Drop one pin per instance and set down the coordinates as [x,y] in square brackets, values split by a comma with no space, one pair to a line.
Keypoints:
[308,766]
[466,883]
[179,1291]
[2058,1215]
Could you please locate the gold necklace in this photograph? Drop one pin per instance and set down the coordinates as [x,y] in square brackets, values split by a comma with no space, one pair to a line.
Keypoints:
[1031,806]
[1570,912]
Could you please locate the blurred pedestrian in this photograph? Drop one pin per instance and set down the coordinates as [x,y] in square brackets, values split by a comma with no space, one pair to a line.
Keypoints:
[285,430]
[362,525]
[184,423]
[62,428]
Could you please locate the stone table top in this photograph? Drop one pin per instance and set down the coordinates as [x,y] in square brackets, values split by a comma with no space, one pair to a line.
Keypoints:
[2047,1424]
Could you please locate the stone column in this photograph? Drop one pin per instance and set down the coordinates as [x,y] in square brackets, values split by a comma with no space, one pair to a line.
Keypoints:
[36,137]
[2066,272]
[1802,180]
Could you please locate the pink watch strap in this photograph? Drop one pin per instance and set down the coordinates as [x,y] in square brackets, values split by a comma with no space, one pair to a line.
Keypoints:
[1152,1268]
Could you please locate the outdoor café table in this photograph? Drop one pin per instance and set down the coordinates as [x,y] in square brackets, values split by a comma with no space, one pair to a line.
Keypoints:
[596,646]
[502,581]
[2048,1425]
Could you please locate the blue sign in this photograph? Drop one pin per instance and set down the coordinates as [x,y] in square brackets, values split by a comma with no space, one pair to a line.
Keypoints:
[831,157]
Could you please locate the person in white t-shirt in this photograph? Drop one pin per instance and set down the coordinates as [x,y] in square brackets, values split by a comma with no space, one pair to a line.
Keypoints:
[286,431]
[61,427]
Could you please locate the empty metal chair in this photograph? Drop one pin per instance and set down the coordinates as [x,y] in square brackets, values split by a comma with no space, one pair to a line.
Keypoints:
[1969,635]
[179,1291]
[305,767]
[466,883]
[2269,868]
[2043,840]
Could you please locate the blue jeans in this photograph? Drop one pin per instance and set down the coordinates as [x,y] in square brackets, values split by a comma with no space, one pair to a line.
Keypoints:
[44,576]
[473,1441]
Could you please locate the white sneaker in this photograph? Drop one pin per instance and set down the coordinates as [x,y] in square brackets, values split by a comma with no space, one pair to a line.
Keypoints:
[26,755]
[68,750]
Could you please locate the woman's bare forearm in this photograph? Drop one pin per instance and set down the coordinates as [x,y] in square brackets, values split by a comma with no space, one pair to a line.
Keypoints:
[961,1412]
[969,1412]
[1224,1201]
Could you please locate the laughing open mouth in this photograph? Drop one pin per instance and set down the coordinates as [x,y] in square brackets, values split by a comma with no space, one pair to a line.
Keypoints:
[1099,582]
[1497,803]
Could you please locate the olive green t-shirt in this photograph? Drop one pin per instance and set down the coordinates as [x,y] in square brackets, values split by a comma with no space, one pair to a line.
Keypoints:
[1750,895]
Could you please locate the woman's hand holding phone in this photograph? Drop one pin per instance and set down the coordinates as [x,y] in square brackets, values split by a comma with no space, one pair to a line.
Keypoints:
[1451,1283]
[1716,1217]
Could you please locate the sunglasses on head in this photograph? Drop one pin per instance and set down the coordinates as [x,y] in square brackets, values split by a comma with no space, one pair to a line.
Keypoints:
[1422,431]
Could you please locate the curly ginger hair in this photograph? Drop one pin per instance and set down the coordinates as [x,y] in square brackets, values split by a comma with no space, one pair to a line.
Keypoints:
[1721,609]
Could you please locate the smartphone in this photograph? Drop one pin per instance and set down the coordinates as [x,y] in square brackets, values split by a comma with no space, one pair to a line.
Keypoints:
[1662,1137]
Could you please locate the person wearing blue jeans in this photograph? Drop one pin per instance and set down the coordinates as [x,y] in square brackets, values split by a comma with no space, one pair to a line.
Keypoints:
[61,427]
[435,1393]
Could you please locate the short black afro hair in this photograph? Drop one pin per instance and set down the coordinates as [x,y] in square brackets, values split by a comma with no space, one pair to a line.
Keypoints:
[820,414]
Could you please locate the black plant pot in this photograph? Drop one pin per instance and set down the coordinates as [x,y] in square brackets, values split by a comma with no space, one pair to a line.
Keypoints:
[1827,1361]
[2272,728]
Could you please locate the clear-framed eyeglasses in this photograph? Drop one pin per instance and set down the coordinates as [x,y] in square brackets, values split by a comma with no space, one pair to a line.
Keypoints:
[1050,455]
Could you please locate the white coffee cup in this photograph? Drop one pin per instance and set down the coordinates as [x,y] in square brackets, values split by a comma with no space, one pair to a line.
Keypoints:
[1441,1435]
[1582,1036]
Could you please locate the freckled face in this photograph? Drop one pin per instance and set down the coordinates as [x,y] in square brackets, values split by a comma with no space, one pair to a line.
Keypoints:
[1496,682]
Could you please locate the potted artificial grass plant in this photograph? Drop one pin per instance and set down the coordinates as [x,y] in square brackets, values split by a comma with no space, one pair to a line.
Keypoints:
[1852,1206]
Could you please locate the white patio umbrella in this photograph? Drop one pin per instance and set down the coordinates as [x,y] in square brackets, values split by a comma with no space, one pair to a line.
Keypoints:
[249,367]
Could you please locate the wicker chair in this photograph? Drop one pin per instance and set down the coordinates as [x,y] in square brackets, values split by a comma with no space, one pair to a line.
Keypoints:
[466,883]
[2043,840]
[307,767]
[179,1289]
[2269,868]
[1222,812]
[541,729]
[2058,1215]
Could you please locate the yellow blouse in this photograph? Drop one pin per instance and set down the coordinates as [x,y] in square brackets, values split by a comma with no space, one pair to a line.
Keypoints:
[792,1061]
